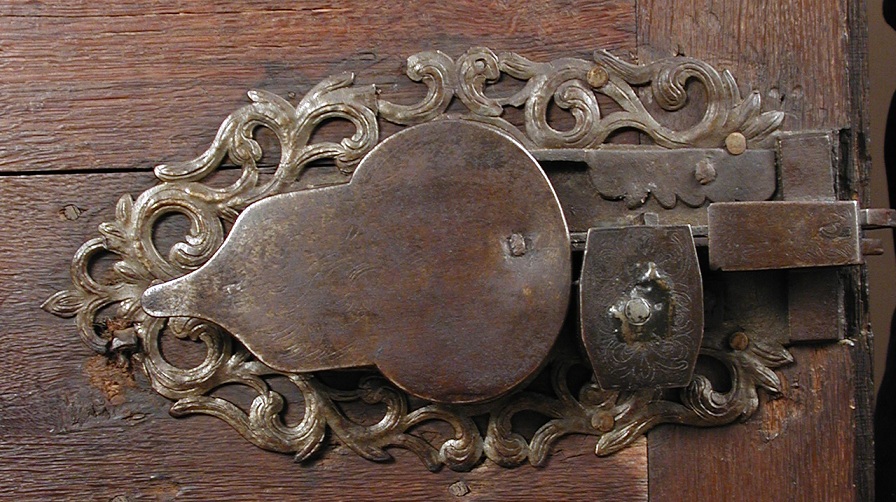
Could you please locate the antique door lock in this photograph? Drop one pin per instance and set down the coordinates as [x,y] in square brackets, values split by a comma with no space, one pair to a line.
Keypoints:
[465,255]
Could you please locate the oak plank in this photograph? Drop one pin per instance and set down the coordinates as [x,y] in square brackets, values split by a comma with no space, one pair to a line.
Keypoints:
[854,183]
[89,86]
[799,447]
[794,52]
[808,59]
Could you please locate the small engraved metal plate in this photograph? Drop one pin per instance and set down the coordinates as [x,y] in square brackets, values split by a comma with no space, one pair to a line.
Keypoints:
[641,306]
[771,235]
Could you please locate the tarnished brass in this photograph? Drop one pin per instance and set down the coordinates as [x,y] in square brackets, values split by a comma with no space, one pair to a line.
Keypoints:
[736,143]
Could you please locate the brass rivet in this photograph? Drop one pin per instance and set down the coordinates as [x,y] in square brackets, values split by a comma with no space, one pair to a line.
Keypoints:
[736,143]
[598,77]
[603,421]
[739,341]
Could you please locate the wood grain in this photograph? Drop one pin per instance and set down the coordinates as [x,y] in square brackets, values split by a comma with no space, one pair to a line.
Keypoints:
[74,427]
[85,86]
[798,447]
[793,52]
[806,58]
[855,179]
[89,87]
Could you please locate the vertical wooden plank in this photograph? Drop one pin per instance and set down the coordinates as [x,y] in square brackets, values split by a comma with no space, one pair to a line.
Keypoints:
[798,447]
[807,59]
[793,51]
[854,184]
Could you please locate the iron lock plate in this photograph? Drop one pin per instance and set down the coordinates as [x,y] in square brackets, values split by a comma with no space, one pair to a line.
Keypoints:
[446,260]
[641,309]
[448,270]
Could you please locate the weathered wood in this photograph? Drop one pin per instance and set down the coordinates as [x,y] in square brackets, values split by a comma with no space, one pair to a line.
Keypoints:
[798,447]
[218,469]
[857,165]
[73,426]
[86,86]
[793,52]
[808,59]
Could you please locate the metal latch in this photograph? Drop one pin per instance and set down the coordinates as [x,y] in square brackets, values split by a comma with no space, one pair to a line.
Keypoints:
[782,235]
[641,304]
[641,290]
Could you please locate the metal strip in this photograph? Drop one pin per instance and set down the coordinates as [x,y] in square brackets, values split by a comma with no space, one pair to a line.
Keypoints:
[781,235]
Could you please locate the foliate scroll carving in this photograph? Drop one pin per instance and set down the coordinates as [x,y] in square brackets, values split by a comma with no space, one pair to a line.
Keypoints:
[573,85]
[620,417]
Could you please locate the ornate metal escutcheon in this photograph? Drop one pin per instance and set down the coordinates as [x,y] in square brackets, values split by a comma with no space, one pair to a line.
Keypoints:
[641,306]
[472,253]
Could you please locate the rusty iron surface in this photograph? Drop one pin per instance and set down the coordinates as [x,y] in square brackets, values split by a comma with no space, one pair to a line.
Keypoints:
[877,218]
[815,305]
[807,166]
[445,263]
[691,176]
[641,306]
[770,235]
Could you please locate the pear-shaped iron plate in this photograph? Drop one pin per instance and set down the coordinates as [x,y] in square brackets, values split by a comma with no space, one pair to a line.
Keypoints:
[445,263]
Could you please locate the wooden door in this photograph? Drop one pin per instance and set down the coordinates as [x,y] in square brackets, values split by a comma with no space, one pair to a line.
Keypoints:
[93,96]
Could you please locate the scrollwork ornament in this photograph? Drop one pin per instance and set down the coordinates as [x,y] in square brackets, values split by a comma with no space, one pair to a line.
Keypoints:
[617,418]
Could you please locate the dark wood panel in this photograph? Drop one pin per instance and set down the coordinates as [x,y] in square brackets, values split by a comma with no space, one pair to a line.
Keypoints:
[134,85]
[74,427]
[793,52]
[197,460]
[798,447]
[854,182]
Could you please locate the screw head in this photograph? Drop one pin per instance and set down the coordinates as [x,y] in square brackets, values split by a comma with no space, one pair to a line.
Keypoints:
[705,172]
[603,421]
[517,244]
[459,489]
[637,311]
[739,341]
